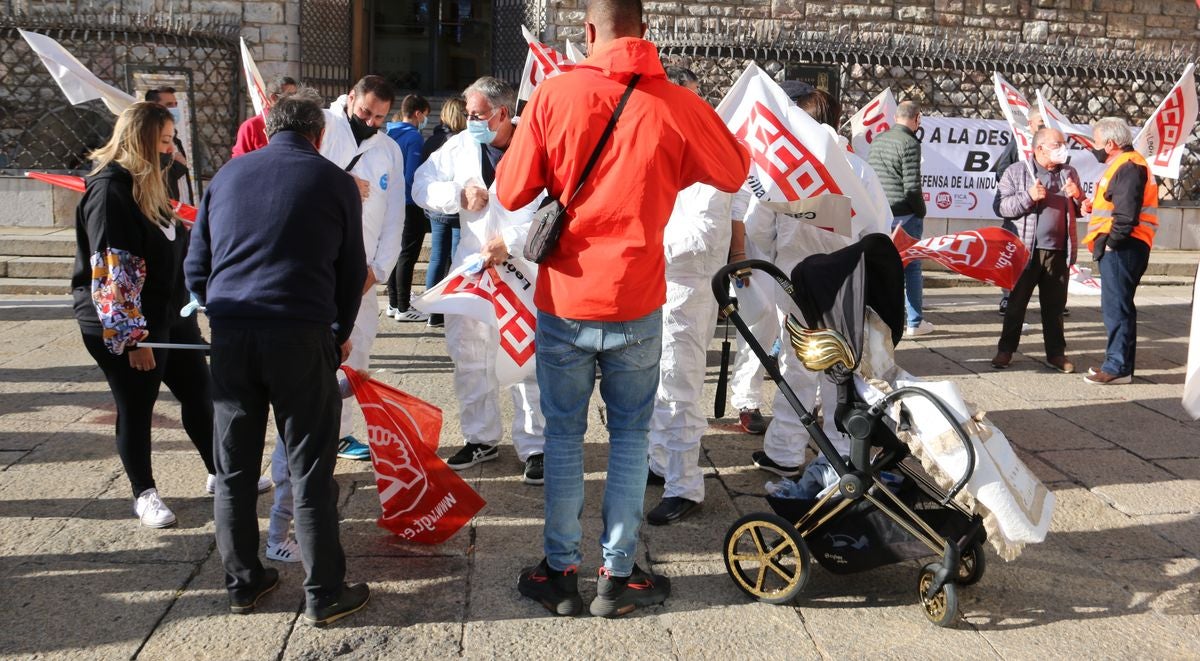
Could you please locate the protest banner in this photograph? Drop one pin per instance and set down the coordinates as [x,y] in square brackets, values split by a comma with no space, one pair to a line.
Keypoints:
[574,54]
[421,498]
[541,62]
[77,82]
[1164,137]
[990,254]
[1015,108]
[872,119]
[254,81]
[1053,119]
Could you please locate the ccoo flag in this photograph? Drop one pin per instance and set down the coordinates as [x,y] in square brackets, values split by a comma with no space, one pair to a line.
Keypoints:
[1053,119]
[541,62]
[254,81]
[871,120]
[1164,137]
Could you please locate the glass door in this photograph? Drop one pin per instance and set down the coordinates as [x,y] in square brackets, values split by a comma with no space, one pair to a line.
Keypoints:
[431,47]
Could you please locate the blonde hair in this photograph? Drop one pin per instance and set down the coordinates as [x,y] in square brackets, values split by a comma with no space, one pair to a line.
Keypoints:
[454,114]
[134,146]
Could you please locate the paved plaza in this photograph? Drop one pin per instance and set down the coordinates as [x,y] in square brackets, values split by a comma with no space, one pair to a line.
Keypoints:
[1117,578]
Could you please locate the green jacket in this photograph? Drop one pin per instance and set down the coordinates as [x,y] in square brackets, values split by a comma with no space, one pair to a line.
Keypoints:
[896,158]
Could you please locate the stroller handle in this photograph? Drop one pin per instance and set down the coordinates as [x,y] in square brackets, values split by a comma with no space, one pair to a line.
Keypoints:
[720,281]
[910,391]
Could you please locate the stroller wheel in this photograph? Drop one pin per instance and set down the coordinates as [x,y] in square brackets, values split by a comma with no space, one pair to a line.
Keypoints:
[971,565]
[767,558]
[942,607]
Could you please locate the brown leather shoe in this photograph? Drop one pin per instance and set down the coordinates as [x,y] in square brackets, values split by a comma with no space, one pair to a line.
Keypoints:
[1102,378]
[1002,359]
[1062,364]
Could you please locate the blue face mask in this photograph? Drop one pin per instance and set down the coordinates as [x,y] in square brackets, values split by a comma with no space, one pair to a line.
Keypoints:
[424,121]
[478,129]
[175,114]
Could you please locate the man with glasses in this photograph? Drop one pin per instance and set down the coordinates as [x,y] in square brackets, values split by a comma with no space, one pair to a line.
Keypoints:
[1042,198]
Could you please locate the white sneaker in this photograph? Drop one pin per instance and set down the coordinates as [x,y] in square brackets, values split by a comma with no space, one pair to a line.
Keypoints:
[923,328]
[264,484]
[412,314]
[152,511]
[392,312]
[286,551]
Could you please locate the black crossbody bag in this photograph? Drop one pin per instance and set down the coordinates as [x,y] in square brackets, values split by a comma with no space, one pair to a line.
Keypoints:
[551,217]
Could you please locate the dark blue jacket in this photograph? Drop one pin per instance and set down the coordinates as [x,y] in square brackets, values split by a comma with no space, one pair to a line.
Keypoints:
[409,138]
[278,241]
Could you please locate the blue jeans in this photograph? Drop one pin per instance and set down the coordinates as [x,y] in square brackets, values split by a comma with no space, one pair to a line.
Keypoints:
[913,285]
[1120,272]
[443,231]
[627,355]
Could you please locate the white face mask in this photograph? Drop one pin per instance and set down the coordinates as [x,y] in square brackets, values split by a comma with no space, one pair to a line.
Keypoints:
[1059,155]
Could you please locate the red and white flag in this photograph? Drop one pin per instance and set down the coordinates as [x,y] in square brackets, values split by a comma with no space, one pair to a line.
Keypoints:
[1015,108]
[541,62]
[992,254]
[871,120]
[575,55]
[792,157]
[422,499]
[254,81]
[1053,119]
[186,212]
[76,80]
[1191,381]
[499,296]
[1164,137]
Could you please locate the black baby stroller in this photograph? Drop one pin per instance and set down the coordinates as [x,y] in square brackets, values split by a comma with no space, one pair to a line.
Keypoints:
[861,523]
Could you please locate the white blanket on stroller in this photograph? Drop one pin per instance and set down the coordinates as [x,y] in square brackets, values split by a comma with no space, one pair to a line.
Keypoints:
[1016,507]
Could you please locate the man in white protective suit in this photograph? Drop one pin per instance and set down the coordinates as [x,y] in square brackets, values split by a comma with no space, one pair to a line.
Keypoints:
[459,179]
[354,143]
[786,234]
[697,242]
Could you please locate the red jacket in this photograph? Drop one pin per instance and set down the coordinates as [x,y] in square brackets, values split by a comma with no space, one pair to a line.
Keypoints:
[609,265]
[252,135]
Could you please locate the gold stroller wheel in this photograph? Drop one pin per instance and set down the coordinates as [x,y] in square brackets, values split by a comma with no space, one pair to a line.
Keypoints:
[942,607]
[767,558]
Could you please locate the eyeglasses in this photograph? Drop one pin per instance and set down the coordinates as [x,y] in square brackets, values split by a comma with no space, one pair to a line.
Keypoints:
[475,117]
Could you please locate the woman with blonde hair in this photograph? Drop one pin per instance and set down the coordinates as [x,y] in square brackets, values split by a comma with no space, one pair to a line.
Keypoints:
[128,289]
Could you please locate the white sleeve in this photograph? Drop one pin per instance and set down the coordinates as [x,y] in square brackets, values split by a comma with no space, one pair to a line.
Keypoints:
[741,202]
[387,250]
[760,230]
[434,187]
[515,229]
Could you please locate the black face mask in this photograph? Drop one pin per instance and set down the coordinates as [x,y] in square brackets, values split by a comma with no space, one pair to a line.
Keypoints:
[164,160]
[360,129]
[1100,154]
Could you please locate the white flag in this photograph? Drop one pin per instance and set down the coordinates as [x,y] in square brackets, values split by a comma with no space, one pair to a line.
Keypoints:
[1164,137]
[792,157]
[1015,108]
[1053,119]
[574,54]
[254,82]
[499,296]
[871,120]
[76,81]
[541,62]
[1191,382]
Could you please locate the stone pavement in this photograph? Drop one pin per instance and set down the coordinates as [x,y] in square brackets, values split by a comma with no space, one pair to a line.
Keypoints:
[1117,578]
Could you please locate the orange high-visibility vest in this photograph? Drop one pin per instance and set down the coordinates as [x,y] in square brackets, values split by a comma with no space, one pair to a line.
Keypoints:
[1102,209]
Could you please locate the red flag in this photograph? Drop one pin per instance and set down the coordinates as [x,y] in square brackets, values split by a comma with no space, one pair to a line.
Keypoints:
[423,499]
[992,254]
[186,212]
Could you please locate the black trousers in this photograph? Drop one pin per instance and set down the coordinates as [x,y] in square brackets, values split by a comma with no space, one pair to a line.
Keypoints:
[186,375]
[399,285]
[1048,271]
[293,372]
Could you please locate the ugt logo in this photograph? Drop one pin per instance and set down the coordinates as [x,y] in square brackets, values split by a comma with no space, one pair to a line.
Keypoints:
[962,249]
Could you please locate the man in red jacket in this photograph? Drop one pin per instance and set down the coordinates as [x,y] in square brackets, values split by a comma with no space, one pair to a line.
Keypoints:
[600,292]
[252,134]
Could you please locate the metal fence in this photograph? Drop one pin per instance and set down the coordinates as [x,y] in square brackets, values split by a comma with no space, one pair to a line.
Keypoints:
[325,46]
[509,47]
[40,129]
[948,76]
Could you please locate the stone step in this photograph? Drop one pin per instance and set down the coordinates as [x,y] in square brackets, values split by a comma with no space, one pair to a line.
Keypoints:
[59,244]
[40,267]
[34,286]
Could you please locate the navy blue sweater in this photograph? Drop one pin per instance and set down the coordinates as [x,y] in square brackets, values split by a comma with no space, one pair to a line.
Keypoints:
[278,241]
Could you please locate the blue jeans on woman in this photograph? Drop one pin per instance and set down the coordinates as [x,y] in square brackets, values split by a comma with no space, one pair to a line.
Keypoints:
[444,231]
[914,294]
[1120,273]
[569,354]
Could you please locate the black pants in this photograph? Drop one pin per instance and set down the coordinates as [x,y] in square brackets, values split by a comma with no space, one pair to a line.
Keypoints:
[399,285]
[1048,271]
[293,372]
[186,375]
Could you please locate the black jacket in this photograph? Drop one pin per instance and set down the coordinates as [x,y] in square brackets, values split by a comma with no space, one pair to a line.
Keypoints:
[1125,190]
[896,158]
[436,139]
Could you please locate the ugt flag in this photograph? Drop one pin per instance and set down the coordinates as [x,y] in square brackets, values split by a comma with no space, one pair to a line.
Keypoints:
[186,212]
[1016,110]
[792,157]
[499,296]
[422,499]
[76,80]
[1164,137]
[871,120]
[254,81]
[992,254]
[1053,119]
[541,62]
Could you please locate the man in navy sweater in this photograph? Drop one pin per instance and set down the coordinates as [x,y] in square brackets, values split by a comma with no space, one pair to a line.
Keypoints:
[277,258]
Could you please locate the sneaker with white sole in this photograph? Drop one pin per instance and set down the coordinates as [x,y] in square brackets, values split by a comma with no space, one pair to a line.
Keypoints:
[286,551]
[351,448]
[391,312]
[923,328]
[152,511]
[471,454]
[412,315]
[534,470]
[264,484]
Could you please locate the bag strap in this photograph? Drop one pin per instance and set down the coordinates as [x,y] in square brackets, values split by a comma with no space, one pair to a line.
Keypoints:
[612,123]
[353,161]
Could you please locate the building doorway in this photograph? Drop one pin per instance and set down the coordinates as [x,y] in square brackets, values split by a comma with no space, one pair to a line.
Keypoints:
[432,47]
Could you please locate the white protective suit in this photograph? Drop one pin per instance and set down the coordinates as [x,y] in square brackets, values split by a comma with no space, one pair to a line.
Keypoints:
[438,186]
[382,166]
[696,242]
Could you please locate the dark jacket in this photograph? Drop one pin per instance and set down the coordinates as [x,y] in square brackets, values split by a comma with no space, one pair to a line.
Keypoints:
[1012,202]
[436,139]
[1006,158]
[896,157]
[278,241]
[111,228]
[1125,190]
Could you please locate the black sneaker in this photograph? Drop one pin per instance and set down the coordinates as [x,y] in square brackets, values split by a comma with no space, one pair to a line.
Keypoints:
[533,470]
[751,421]
[436,321]
[1003,306]
[620,595]
[245,603]
[654,479]
[558,591]
[354,598]
[761,460]
[471,454]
